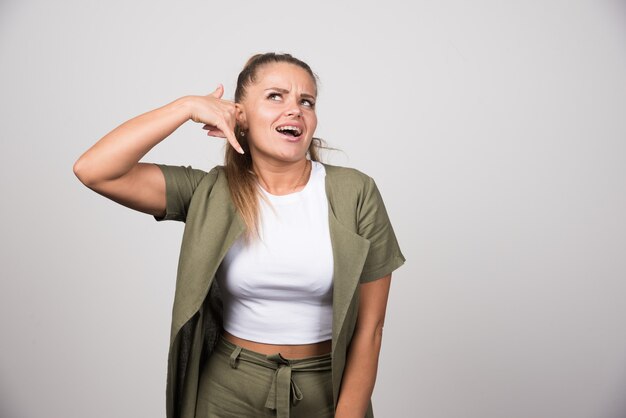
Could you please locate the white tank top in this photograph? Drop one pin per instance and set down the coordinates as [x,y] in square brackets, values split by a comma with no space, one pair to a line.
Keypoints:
[278,289]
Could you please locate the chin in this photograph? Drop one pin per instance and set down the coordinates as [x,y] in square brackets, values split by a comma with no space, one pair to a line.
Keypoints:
[290,152]
[292,158]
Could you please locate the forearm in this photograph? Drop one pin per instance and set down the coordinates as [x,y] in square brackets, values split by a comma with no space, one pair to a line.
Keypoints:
[359,375]
[122,148]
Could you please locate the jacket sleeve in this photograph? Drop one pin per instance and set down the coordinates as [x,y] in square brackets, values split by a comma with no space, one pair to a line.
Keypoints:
[384,254]
[180,184]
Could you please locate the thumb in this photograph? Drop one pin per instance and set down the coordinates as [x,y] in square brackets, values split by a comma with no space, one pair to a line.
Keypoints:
[219,91]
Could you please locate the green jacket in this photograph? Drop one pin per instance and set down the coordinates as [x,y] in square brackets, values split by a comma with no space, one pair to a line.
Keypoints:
[364,249]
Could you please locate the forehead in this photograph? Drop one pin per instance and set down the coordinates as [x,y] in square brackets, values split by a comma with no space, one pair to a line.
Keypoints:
[285,75]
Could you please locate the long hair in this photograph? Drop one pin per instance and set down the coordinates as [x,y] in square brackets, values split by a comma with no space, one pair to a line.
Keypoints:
[242,181]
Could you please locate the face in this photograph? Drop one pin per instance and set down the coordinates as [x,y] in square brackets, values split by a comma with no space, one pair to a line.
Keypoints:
[283,96]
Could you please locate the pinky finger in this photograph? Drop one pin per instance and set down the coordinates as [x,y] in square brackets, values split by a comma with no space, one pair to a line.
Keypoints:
[216,133]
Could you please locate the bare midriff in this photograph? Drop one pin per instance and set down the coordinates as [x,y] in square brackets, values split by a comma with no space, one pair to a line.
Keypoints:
[287,351]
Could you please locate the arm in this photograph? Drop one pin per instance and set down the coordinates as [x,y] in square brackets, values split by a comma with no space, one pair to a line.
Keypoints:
[362,361]
[117,153]
[111,166]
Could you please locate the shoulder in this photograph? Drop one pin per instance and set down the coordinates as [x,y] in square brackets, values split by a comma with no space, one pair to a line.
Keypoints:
[351,190]
[347,177]
[214,174]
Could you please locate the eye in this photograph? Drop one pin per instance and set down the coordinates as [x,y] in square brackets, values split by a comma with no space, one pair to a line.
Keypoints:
[271,95]
[310,103]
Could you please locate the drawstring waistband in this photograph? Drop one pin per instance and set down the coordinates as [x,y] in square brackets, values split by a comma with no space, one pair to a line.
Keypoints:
[283,386]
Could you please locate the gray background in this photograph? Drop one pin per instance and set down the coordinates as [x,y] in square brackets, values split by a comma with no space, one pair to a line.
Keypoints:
[494,129]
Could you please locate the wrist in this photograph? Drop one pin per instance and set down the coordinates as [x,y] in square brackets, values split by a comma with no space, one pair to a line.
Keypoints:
[185,106]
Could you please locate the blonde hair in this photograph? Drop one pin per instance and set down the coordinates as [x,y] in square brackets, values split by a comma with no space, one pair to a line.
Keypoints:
[242,181]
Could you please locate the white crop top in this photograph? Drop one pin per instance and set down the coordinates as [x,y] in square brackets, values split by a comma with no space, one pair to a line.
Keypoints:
[278,289]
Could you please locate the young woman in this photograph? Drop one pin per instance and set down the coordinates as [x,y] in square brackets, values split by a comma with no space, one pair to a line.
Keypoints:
[285,264]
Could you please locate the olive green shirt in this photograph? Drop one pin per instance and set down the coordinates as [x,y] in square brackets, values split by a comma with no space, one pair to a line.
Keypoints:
[364,249]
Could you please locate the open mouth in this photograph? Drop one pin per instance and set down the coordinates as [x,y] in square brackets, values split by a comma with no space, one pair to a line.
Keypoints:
[292,131]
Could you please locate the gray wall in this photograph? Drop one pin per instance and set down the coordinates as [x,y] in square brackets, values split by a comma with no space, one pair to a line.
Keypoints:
[495,131]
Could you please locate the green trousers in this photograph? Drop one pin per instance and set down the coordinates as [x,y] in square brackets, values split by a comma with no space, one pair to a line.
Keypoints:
[239,383]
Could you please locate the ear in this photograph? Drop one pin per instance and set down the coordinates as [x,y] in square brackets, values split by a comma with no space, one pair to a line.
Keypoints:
[240,116]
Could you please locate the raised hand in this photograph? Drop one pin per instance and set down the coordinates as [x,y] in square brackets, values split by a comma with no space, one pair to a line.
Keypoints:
[218,116]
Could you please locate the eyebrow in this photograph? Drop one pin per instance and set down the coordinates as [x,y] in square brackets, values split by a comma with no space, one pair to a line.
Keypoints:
[285,91]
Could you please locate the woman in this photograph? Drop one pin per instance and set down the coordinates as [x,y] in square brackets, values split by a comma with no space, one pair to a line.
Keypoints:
[285,264]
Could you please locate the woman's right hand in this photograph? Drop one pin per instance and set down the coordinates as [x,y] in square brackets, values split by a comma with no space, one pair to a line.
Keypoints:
[218,116]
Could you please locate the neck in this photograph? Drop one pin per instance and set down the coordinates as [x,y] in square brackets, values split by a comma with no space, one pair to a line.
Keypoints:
[280,178]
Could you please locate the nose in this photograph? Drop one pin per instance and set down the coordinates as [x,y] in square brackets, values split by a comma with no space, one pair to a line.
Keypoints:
[294,110]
